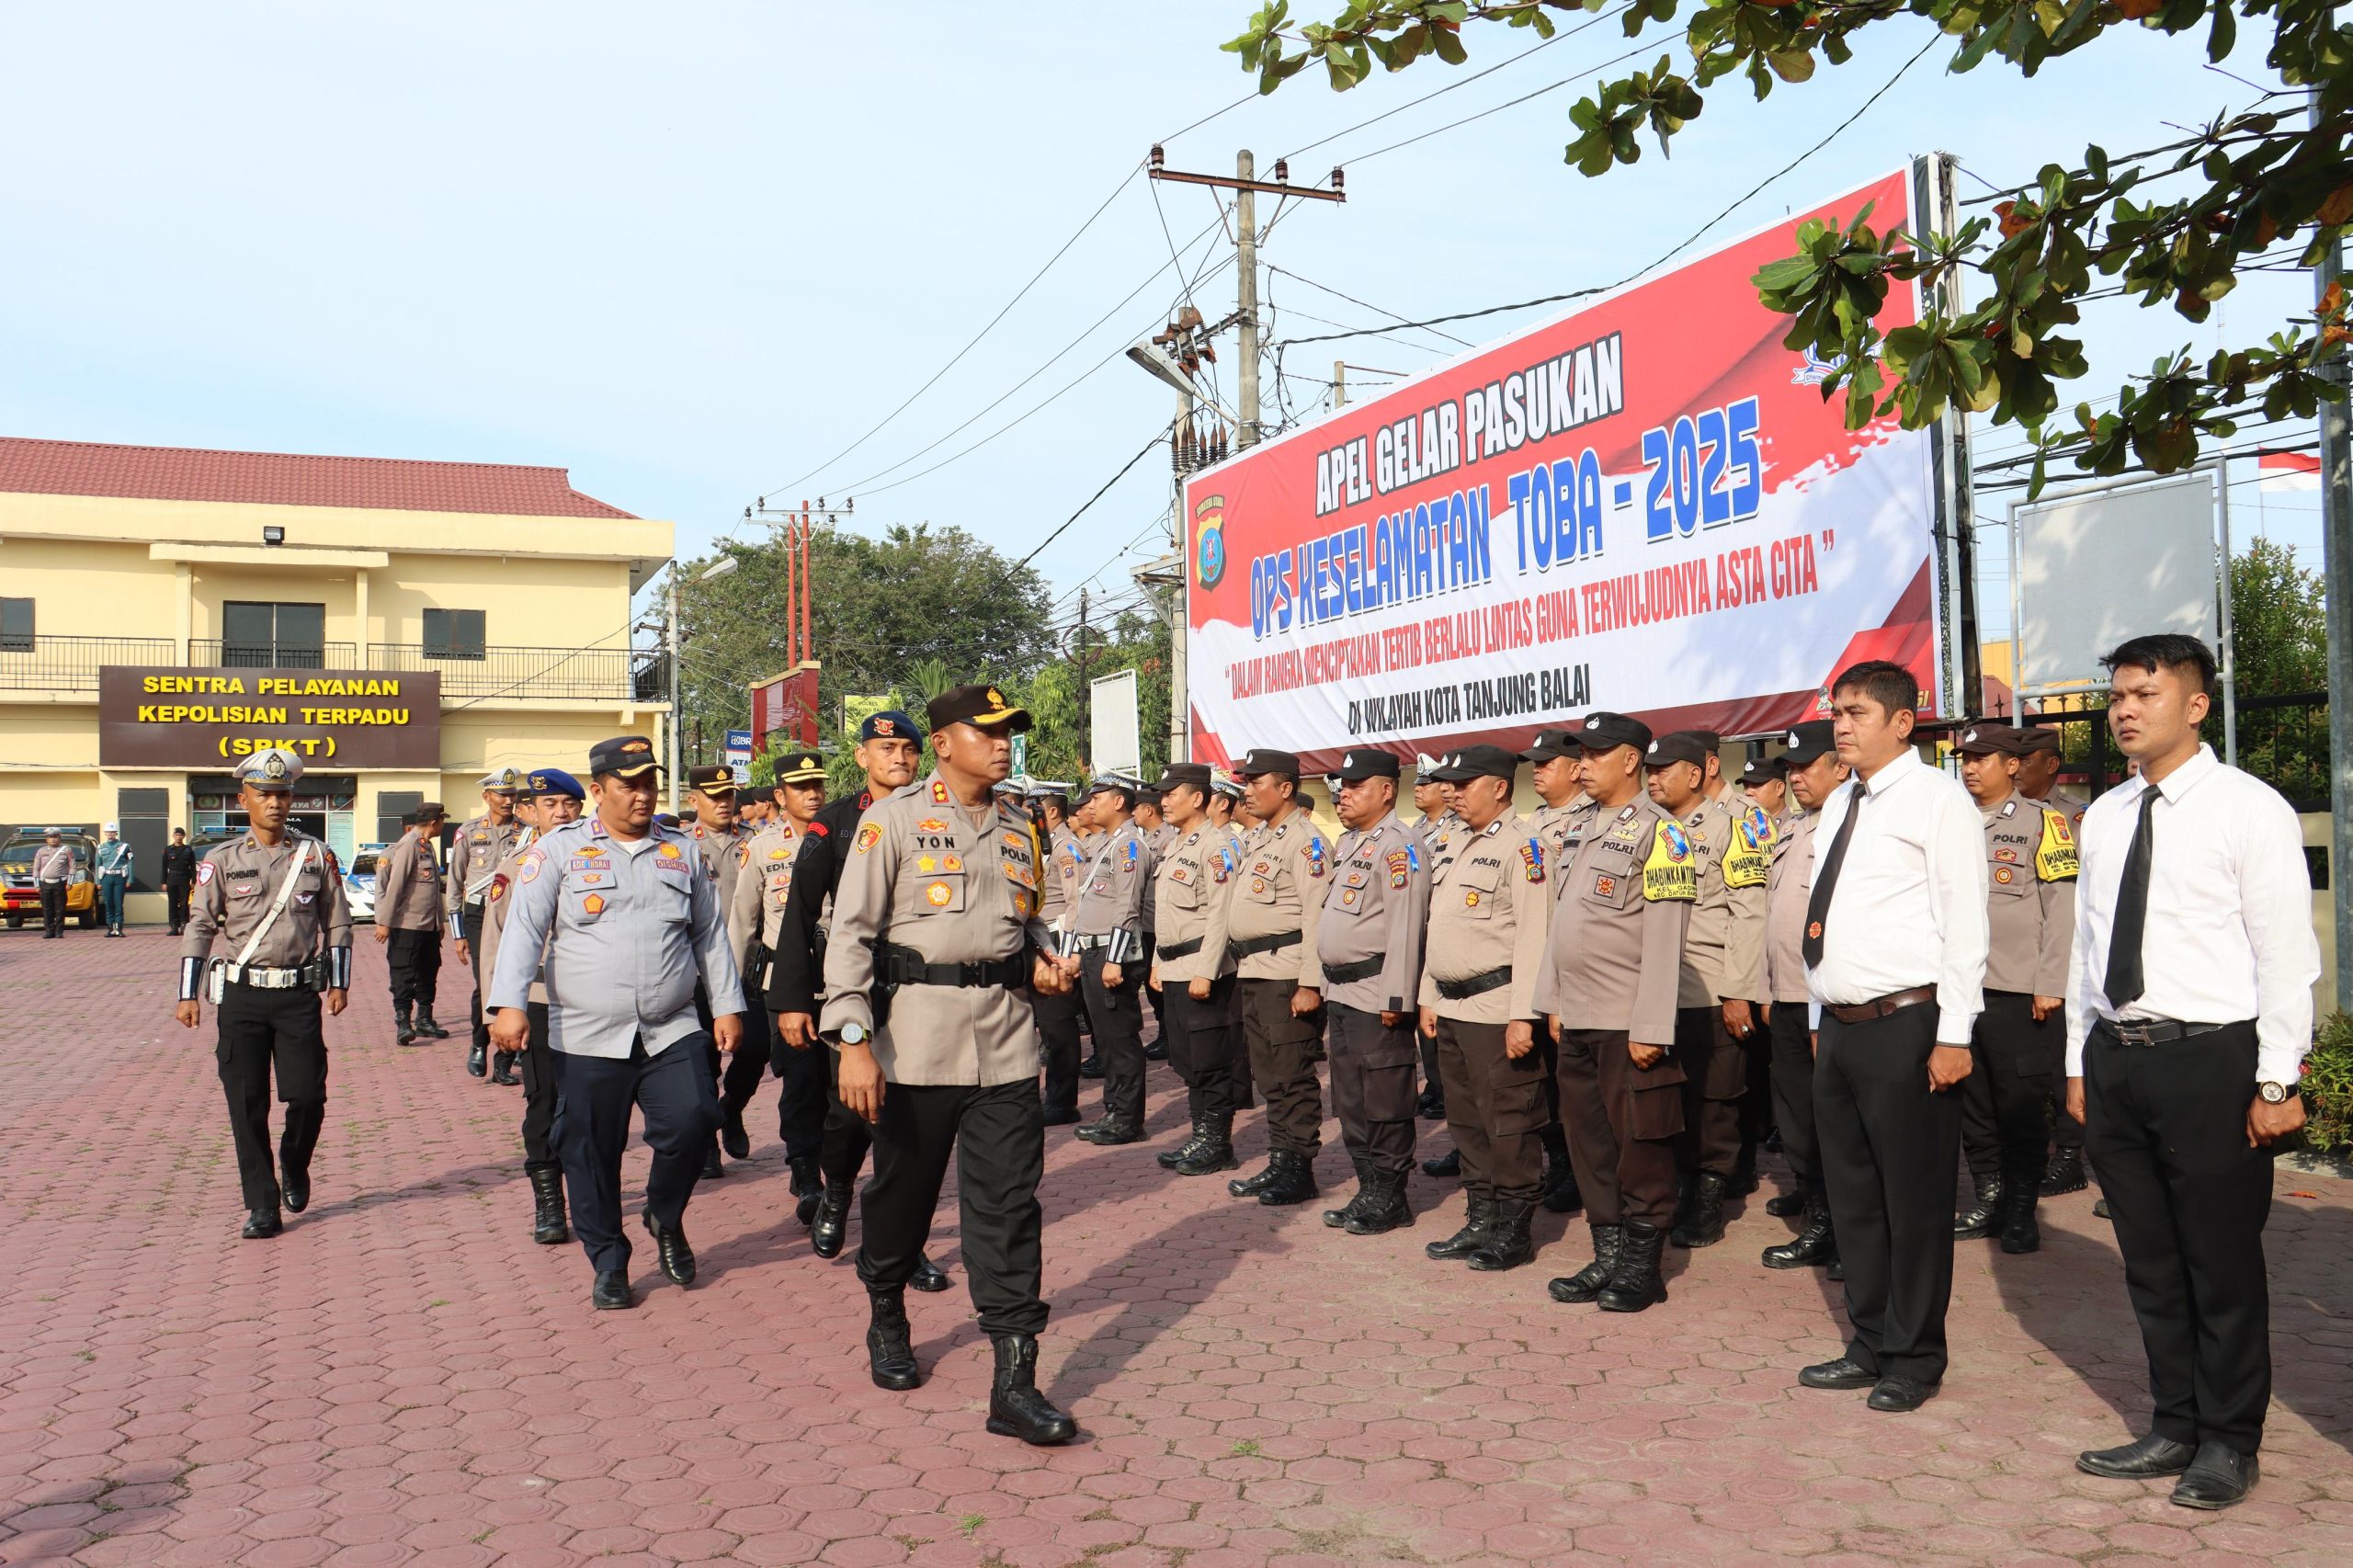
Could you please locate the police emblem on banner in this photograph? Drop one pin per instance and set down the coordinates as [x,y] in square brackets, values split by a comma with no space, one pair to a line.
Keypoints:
[1208,540]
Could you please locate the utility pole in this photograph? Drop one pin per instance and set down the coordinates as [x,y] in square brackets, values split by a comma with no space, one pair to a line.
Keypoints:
[2336,571]
[678,699]
[1181,689]
[1339,383]
[1245,303]
[1085,692]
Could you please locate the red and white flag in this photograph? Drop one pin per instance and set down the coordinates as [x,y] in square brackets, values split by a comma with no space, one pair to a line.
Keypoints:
[2289,471]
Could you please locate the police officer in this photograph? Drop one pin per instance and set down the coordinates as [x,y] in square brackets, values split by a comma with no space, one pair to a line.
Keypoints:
[1812,770]
[482,842]
[1556,766]
[711,799]
[1758,800]
[408,918]
[755,916]
[550,799]
[114,869]
[629,924]
[180,878]
[2038,780]
[1486,946]
[274,898]
[1107,935]
[936,934]
[1612,965]
[889,750]
[52,869]
[1196,982]
[2020,1041]
[1057,1013]
[1370,945]
[1151,821]
[1434,799]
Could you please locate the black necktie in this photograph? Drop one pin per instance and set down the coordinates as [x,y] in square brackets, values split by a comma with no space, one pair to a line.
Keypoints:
[1817,904]
[2124,983]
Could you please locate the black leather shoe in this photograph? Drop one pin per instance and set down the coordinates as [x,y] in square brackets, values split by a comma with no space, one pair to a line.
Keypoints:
[2217,1478]
[431,1026]
[1156,1052]
[1783,1205]
[711,1169]
[1447,1164]
[477,1061]
[1091,1068]
[890,1346]
[1985,1218]
[2019,1232]
[731,1136]
[1109,1133]
[1062,1116]
[1705,1227]
[1212,1151]
[808,1187]
[1506,1243]
[2138,1461]
[1845,1372]
[403,1031]
[1898,1392]
[1257,1182]
[678,1257]
[2064,1173]
[928,1277]
[1358,1203]
[1579,1289]
[1431,1106]
[298,1192]
[1464,1242]
[831,1227]
[1810,1248]
[262,1223]
[502,1070]
[1015,1407]
[610,1294]
[548,1225]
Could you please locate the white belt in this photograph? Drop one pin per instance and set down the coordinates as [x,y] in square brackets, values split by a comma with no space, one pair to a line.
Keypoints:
[262,979]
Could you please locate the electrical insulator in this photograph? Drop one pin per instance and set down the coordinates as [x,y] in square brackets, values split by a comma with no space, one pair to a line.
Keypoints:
[1339,180]
[1282,171]
[1159,159]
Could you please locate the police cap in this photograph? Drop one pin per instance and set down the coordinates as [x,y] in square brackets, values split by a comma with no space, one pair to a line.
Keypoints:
[891,725]
[1551,744]
[1195,774]
[801,768]
[1758,769]
[273,768]
[554,782]
[1809,743]
[505,781]
[1993,740]
[1476,762]
[1608,732]
[1258,760]
[1364,764]
[982,707]
[624,756]
[2038,737]
[1682,745]
[712,778]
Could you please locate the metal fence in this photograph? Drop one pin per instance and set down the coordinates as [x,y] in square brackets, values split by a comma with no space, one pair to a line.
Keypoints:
[2283,739]
[217,653]
[71,664]
[597,675]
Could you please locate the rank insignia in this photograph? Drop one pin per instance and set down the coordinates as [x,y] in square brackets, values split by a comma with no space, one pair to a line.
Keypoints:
[939,793]
[593,904]
[592,877]
[869,836]
[1531,855]
[938,895]
[953,863]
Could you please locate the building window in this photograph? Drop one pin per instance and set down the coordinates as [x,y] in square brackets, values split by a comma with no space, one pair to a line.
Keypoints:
[16,626]
[453,634]
[265,635]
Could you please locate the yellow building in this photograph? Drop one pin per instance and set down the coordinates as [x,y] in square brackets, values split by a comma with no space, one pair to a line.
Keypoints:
[406,627]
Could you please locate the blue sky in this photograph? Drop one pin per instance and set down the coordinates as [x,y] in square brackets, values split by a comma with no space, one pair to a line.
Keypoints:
[692,252]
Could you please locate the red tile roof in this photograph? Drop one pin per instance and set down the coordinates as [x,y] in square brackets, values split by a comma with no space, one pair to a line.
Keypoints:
[291,479]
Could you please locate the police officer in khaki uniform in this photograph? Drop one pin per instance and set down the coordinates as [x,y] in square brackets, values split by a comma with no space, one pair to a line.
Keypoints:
[1107,934]
[756,924]
[2020,1041]
[1195,980]
[1485,945]
[1268,923]
[1812,770]
[1612,963]
[936,936]
[1231,818]
[274,899]
[1058,1012]
[408,923]
[1710,996]
[1758,801]
[1369,944]
[550,799]
[1434,800]
[482,842]
[2038,780]
[711,797]
[1556,766]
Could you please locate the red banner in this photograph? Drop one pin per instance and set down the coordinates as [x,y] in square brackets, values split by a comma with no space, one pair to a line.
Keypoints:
[786,705]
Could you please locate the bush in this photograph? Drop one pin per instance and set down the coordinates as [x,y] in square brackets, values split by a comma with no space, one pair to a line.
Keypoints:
[2328,1087]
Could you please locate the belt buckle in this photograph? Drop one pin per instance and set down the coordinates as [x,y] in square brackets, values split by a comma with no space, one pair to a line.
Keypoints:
[2132,1032]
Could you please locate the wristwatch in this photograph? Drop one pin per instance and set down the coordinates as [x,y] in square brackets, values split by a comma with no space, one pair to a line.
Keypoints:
[2275,1093]
[853,1034]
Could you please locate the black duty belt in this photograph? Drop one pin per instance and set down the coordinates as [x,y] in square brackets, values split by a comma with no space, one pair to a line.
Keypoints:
[2153,1031]
[1475,985]
[1247,945]
[1184,950]
[903,966]
[1351,972]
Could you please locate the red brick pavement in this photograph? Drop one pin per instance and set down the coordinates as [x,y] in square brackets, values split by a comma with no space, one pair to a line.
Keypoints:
[404,1378]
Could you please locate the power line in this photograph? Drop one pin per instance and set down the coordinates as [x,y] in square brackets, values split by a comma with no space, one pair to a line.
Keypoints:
[1366,304]
[1098,496]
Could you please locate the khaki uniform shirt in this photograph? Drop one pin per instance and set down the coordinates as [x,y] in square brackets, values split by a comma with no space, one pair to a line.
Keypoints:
[408,886]
[493,919]
[1279,889]
[1055,886]
[237,882]
[1189,888]
[1723,951]
[1067,854]
[1789,882]
[1442,834]
[1558,832]
[2030,897]
[2071,806]
[761,887]
[721,858]
[1487,911]
[1616,949]
[1375,905]
[474,855]
[928,876]
[1113,908]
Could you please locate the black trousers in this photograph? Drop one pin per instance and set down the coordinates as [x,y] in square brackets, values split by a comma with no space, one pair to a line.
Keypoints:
[1792,1052]
[1433,1080]
[1200,1045]
[841,1147]
[2167,1126]
[741,1073]
[2066,1132]
[1058,1027]
[1622,1122]
[997,1135]
[1118,1034]
[259,1030]
[1281,1049]
[1757,1096]
[1887,1147]
[594,1095]
[52,909]
[2002,1127]
[175,897]
[469,922]
[1372,1087]
[539,1091]
[414,957]
[804,1085]
[1715,1079]
[1495,1107]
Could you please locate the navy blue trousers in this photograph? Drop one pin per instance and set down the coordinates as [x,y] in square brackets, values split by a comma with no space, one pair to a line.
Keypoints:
[594,1097]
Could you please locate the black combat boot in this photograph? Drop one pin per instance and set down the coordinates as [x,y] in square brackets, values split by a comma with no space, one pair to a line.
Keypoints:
[890,1347]
[1742,1180]
[1294,1180]
[1561,1193]
[1785,1205]
[1634,1284]
[1214,1152]
[502,1070]
[1109,1133]
[1447,1164]
[1257,1181]
[1587,1283]
[1812,1247]
[477,1058]
[1337,1218]
[1706,1226]
[831,1227]
[1476,1211]
[1387,1209]
[732,1135]
[1686,1197]
[808,1189]
[403,1031]
[548,1226]
[429,1027]
[2019,1232]
[2064,1174]
[1169,1159]
[1987,1218]
[1091,1068]
[928,1277]
[1015,1407]
[1506,1244]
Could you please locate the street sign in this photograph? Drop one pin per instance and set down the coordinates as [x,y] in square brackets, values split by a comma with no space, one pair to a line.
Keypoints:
[1020,754]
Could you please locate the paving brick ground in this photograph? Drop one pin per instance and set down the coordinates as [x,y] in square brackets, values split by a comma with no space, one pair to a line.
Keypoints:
[404,1378]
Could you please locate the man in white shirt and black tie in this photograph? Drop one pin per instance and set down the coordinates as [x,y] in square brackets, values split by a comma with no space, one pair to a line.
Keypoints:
[2189,1015]
[1894,949]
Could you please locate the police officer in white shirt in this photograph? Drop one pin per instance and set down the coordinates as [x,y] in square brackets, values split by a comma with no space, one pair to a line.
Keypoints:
[2189,1015]
[1895,948]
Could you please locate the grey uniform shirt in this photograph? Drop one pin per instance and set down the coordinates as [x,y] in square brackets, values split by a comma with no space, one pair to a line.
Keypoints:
[1279,891]
[1374,907]
[1616,948]
[1789,882]
[2030,897]
[1558,831]
[625,933]
[52,864]
[1189,888]
[237,882]
[1114,901]
[1487,911]
[408,886]
[952,886]
[495,903]
[474,855]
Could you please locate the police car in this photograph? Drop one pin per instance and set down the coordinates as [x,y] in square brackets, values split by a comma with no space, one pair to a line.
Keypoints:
[359,880]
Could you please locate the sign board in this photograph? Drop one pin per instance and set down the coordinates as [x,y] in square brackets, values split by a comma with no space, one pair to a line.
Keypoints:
[1115,742]
[739,740]
[1020,755]
[786,705]
[743,771]
[171,717]
[1643,506]
[2150,551]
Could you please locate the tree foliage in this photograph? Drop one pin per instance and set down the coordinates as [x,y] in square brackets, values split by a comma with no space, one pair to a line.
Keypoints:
[2279,635]
[2174,226]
